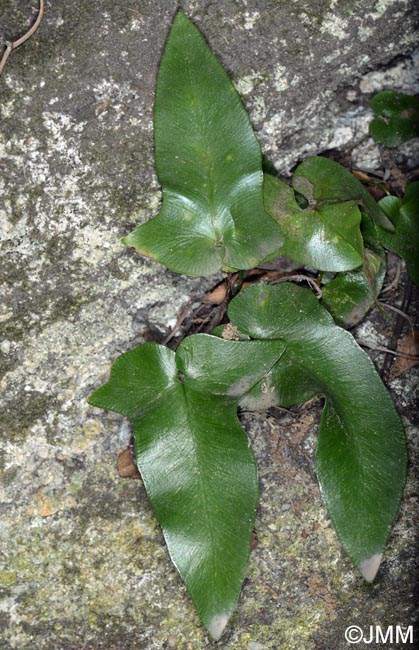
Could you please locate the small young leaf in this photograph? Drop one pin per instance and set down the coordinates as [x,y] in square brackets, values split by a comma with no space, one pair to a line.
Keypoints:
[324,181]
[194,458]
[404,214]
[326,237]
[399,118]
[361,454]
[351,294]
[209,165]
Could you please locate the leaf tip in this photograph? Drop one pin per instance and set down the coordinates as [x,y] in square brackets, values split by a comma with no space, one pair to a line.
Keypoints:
[92,400]
[370,566]
[180,15]
[217,625]
[385,223]
[132,241]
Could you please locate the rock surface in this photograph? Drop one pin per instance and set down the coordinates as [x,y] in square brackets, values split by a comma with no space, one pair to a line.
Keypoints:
[82,561]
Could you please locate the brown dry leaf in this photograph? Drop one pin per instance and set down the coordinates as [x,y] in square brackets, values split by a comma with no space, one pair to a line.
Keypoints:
[315,584]
[408,344]
[317,588]
[306,533]
[103,106]
[361,176]
[126,466]
[272,276]
[254,273]
[43,504]
[217,295]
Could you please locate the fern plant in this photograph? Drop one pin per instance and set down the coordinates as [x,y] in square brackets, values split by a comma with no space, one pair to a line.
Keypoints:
[220,212]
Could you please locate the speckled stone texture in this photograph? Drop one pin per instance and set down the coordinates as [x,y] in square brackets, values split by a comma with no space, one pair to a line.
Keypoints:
[82,560]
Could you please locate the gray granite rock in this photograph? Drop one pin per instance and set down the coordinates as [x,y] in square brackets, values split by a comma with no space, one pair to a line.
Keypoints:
[82,560]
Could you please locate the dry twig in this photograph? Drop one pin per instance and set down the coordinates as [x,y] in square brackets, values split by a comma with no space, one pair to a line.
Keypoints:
[10,46]
[398,311]
[398,327]
[396,281]
[378,348]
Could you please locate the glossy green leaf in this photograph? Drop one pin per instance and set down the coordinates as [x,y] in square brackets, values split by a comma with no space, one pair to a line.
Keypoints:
[325,236]
[323,181]
[209,165]
[349,295]
[404,214]
[361,454]
[194,458]
[398,119]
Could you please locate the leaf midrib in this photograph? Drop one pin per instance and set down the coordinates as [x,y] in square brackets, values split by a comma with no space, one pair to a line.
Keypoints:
[203,488]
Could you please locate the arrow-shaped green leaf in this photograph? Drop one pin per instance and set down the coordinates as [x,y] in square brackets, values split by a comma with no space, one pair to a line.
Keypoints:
[361,455]
[398,119]
[404,214]
[326,236]
[209,165]
[194,458]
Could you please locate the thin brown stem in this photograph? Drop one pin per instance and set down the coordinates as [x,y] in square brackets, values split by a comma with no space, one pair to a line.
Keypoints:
[5,56]
[398,311]
[396,281]
[10,46]
[377,348]
[398,328]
